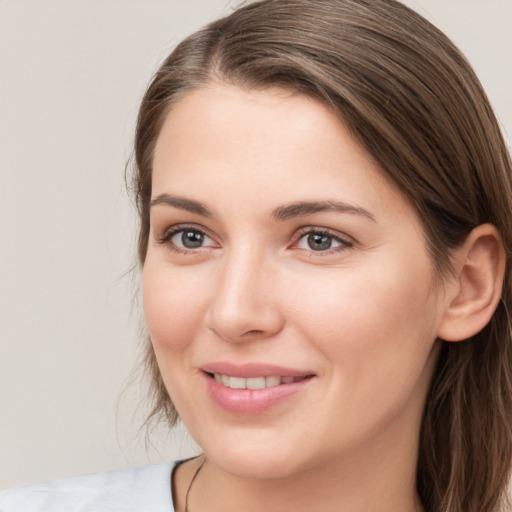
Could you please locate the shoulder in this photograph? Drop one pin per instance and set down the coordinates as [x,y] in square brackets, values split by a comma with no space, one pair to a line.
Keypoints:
[128,490]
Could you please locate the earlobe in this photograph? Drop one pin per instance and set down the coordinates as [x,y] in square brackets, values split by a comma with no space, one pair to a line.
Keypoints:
[476,290]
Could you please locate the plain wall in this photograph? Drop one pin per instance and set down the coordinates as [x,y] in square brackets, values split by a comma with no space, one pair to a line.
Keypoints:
[71,76]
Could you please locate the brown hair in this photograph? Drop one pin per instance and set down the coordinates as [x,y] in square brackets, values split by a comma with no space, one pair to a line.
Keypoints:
[413,101]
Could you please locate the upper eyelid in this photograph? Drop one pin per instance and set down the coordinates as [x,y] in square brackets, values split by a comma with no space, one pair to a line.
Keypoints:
[169,232]
[175,228]
[326,231]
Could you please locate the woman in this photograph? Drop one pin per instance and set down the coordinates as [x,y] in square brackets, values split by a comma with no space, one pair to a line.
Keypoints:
[325,238]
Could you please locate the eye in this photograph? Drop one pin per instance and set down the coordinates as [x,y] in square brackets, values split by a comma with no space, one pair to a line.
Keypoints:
[189,239]
[184,239]
[321,241]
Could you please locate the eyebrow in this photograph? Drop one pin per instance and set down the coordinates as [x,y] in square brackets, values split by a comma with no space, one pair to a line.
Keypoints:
[184,204]
[281,213]
[309,207]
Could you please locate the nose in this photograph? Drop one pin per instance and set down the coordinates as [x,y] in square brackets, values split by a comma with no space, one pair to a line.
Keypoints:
[244,304]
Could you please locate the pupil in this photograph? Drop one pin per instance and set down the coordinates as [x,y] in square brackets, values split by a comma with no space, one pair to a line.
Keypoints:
[192,239]
[319,242]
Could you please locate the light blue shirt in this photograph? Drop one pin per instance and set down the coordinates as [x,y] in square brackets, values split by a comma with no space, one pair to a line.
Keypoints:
[145,489]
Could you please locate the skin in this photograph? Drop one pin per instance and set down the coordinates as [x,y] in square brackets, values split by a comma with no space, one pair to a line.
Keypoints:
[362,316]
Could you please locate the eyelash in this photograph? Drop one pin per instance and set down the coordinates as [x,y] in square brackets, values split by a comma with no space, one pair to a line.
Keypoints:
[345,243]
[166,237]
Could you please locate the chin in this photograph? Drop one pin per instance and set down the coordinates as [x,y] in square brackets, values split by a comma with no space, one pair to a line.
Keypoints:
[261,458]
[262,466]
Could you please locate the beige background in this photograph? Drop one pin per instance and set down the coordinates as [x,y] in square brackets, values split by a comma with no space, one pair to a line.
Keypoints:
[71,75]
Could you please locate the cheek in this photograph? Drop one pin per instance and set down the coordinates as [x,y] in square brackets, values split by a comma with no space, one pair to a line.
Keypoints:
[377,337]
[370,322]
[172,306]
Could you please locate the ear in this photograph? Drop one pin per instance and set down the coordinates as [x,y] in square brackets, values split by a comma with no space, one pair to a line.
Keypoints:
[476,290]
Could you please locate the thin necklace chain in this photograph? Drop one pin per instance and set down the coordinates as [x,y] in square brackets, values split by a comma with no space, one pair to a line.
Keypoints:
[191,482]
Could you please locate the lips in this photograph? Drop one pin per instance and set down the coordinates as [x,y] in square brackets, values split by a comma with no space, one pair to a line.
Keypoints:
[249,370]
[252,388]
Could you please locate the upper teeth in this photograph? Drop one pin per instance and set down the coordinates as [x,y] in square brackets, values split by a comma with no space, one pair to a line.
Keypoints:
[252,382]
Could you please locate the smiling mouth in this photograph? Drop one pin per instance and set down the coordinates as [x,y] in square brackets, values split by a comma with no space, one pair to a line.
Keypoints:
[253,388]
[255,382]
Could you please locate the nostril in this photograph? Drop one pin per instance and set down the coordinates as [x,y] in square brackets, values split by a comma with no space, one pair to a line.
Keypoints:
[253,332]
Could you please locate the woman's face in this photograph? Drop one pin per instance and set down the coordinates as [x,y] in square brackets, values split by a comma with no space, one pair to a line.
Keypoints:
[288,291]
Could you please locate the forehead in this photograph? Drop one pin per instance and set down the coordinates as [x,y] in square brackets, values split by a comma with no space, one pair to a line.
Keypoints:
[251,117]
[275,145]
